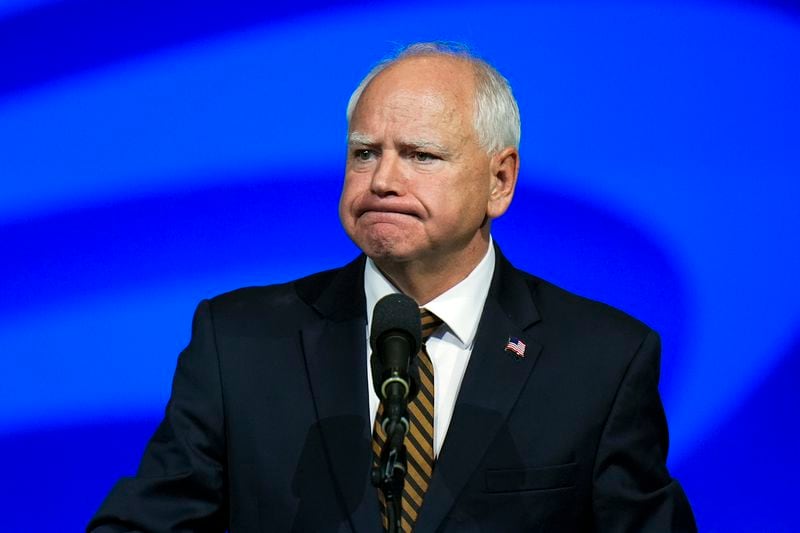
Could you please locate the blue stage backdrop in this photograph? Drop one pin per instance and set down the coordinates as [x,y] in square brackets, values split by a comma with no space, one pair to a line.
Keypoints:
[156,153]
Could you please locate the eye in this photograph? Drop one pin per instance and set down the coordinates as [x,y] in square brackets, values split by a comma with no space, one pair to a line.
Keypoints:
[364,154]
[423,157]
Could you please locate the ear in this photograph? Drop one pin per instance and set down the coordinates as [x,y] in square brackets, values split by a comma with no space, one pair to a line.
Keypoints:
[504,168]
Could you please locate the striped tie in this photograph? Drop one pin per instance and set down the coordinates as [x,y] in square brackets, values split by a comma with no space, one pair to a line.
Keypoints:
[419,440]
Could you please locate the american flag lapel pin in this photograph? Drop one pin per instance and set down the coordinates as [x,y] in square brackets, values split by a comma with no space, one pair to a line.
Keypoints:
[515,347]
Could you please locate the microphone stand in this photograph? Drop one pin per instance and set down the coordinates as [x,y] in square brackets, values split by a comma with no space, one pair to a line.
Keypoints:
[389,475]
[395,339]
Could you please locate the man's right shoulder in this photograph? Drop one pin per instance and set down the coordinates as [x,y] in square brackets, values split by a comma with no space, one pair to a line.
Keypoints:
[282,304]
[303,290]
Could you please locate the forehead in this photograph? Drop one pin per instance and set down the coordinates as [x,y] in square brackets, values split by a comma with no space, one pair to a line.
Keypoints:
[422,91]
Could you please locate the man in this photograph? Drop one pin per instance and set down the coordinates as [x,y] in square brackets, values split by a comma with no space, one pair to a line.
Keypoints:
[546,414]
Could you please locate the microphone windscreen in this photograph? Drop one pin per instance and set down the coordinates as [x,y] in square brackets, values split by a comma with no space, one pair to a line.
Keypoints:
[396,312]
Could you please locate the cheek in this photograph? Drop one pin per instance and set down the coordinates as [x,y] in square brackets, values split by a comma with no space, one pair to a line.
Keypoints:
[349,191]
[345,203]
[452,208]
[353,189]
[467,196]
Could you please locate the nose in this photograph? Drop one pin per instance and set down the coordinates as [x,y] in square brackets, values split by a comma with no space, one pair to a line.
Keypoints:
[388,178]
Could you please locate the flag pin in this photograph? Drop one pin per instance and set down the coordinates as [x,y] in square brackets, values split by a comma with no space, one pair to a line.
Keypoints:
[516,347]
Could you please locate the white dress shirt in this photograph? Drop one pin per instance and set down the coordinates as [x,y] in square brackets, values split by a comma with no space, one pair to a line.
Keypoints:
[450,346]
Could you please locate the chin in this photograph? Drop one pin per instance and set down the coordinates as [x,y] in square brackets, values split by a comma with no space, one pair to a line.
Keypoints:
[383,243]
[385,249]
[383,252]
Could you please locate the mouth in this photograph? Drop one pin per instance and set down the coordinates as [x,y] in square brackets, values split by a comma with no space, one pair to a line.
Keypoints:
[377,216]
[386,211]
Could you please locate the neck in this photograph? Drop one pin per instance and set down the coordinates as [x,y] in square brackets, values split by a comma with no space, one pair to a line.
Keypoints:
[425,279]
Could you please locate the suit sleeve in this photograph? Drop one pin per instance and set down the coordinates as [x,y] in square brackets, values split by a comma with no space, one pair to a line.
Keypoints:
[180,484]
[633,491]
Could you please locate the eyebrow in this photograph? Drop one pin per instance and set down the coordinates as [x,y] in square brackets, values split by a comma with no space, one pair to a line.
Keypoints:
[356,138]
[424,145]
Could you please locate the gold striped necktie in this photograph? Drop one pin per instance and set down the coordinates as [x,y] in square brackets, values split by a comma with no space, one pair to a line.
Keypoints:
[419,440]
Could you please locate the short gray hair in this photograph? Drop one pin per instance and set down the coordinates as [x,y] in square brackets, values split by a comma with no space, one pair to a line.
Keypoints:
[496,120]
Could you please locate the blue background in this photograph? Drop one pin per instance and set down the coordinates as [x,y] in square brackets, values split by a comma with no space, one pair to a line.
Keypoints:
[152,154]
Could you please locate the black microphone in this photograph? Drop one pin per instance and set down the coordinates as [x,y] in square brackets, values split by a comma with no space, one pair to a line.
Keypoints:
[395,339]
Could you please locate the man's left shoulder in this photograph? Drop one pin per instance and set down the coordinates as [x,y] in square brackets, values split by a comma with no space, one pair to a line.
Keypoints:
[567,315]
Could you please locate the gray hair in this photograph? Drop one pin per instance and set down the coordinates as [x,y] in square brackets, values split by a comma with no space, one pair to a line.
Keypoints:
[496,119]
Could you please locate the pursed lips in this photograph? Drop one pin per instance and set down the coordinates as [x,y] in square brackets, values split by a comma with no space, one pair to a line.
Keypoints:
[386,211]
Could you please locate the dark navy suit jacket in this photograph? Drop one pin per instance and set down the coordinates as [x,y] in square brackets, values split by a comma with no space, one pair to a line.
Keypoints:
[267,428]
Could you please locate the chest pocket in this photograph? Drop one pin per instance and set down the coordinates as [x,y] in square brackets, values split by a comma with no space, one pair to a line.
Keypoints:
[540,478]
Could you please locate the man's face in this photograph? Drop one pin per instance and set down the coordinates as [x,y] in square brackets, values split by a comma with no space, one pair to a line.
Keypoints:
[417,183]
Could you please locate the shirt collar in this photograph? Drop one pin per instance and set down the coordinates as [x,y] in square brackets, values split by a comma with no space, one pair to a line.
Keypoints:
[460,307]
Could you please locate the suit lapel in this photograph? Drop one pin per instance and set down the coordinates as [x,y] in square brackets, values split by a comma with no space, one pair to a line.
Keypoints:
[492,382]
[335,354]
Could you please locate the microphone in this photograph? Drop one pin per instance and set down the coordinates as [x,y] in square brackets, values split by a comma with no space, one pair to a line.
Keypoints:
[395,339]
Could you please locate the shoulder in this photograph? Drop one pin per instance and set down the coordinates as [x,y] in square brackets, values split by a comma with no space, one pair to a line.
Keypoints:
[279,296]
[277,307]
[573,324]
[577,312]
[589,343]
